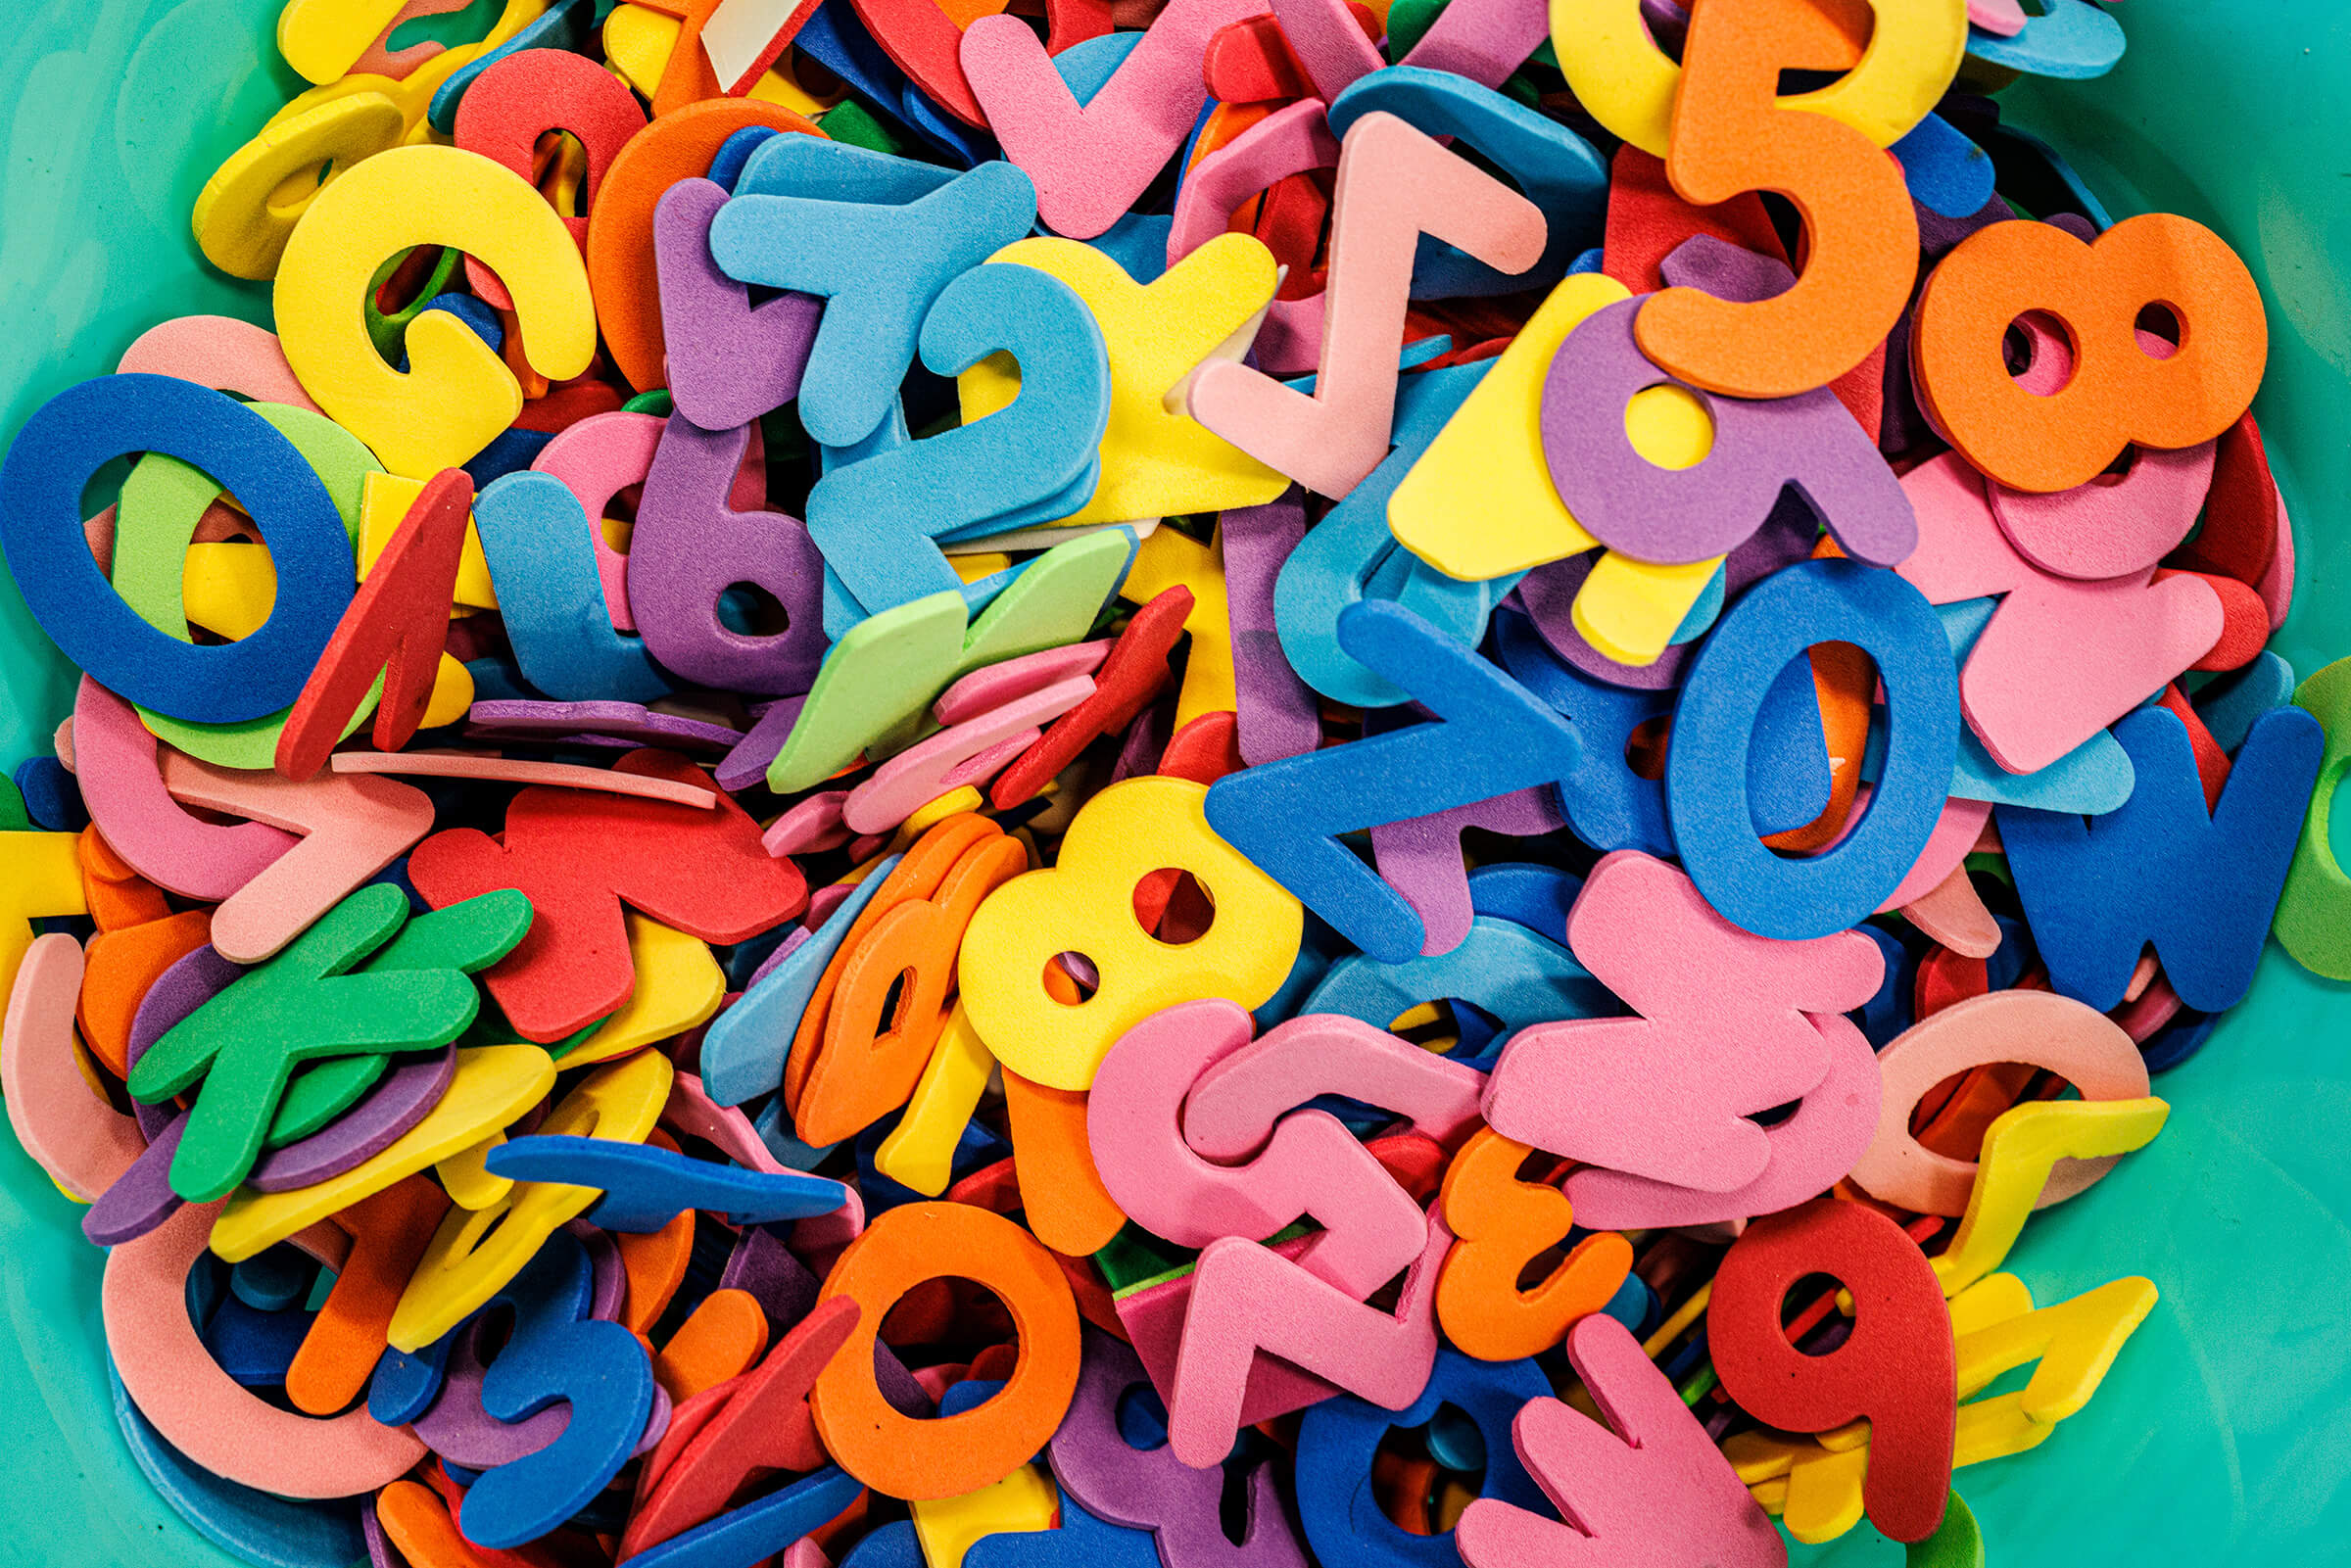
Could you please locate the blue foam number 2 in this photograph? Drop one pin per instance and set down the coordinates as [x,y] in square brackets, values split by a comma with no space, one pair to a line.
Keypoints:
[867,516]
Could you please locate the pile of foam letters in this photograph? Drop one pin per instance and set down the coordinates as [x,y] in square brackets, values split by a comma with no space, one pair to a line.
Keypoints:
[1245,785]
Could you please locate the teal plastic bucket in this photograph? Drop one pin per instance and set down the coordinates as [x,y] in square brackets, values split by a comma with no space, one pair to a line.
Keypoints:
[2222,1433]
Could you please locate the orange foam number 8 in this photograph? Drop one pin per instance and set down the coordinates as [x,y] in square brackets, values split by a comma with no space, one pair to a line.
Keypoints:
[1730,135]
[458,394]
[2117,393]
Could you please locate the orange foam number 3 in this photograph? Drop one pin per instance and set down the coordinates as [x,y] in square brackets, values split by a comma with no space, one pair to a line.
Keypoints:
[1503,1224]
[2117,393]
[1730,135]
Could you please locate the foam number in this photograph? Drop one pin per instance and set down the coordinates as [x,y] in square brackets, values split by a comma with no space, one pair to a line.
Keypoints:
[1897,1368]
[700,869]
[1371,1227]
[557,1351]
[1730,136]
[40,511]
[1680,516]
[1503,1224]
[2201,885]
[1339,1441]
[1653,1489]
[1090,163]
[477,1250]
[1492,738]
[2070,1345]
[1085,904]
[807,986]
[1731,1024]
[456,394]
[1672,480]
[2116,392]
[690,544]
[1706,797]
[881,244]
[1627,83]
[1819,1488]
[1151,1489]
[887,668]
[1157,460]
[1402,184]
[946,1457]
[1017,466]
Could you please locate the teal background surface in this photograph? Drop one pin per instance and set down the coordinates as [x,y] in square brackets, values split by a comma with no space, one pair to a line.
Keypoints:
[2223,1435]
